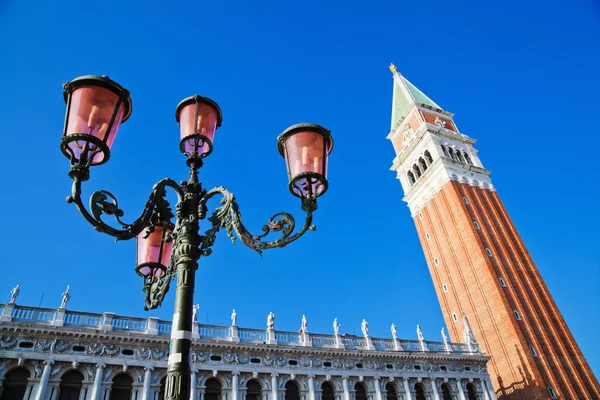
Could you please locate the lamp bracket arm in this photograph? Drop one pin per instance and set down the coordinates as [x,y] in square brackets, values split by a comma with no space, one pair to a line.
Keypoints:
[156,211]
[228,216]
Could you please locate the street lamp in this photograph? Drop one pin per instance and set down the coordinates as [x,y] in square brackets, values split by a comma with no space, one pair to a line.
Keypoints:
[96,106]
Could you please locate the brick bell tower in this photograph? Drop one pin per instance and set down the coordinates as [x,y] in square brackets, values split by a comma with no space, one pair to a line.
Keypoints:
[479,265]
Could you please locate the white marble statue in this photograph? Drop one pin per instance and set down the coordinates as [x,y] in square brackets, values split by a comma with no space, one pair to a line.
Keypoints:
[394,336]
[408,133]
[195,313]
[304,326]
[66,296]
[233,318]
[444,337]
[336,327]
[365,327]
[14,294]
[420,333]
[271,321]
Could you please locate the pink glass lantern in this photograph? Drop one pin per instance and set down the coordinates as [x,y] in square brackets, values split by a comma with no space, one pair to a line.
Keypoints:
[153,252]
[198,118]
[96,106]
[306,148]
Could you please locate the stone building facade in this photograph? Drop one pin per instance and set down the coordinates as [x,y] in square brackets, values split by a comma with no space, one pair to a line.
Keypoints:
[58,354]
[478,262]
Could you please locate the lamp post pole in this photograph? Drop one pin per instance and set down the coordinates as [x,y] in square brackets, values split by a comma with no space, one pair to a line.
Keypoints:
[186,254]
[96,106]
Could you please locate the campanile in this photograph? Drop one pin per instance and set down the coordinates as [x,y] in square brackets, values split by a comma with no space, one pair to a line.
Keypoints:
[478,262]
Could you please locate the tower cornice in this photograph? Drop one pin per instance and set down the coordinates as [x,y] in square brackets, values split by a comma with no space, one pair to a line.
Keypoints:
[405,153]
[441,172]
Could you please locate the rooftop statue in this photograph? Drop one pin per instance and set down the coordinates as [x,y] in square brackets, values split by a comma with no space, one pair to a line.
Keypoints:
[14,294]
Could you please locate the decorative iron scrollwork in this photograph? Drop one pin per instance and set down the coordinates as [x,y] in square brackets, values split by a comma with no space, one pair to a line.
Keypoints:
[228,216]
[156,211]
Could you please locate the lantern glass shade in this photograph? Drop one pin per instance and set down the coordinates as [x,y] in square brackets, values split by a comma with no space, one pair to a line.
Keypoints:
[199,118]
[306,148]
[95,110]
[153,252]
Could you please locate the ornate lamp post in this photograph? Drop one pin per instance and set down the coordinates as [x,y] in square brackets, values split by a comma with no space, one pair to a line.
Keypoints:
[96,106]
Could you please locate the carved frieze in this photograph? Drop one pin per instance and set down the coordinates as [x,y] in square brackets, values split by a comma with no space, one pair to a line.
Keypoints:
[8,342]
[101,349]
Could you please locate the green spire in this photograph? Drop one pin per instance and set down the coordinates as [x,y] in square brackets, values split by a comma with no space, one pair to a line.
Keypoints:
[405,95]
[419,96]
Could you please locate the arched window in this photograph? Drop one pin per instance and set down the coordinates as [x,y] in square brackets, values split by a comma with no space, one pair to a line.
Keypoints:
[15,384]
[291,391]
[213,389]
[161,391]
[361,393]
[452,155]
[327,391]
[471,392]
[422,164]
[391,392]
[411,178]
[468,159]
[70,385]
[459,156]
[446,392]
[419,392]
[417,171]
[121,387]
[428,157]
[253,390]
[445,150]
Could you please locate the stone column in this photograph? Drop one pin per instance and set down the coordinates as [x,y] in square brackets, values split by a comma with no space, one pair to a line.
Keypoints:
[28,391]
[97,382]
[436,395]
[490,389]
[83,392]
[461,392]
[193,386]
[311,387]
[407,389]
[377,389]
[486,394]
[41,393]
[274,386]
[146,395]
[55,389]
[345,387]
[235,385]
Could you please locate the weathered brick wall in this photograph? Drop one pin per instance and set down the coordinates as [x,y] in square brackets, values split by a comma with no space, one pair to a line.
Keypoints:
[447,232]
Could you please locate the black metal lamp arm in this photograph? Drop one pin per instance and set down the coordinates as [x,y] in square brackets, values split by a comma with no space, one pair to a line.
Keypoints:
[103,202]
[228,216]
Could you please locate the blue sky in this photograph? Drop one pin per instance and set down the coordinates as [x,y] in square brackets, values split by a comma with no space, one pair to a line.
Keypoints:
[521,78]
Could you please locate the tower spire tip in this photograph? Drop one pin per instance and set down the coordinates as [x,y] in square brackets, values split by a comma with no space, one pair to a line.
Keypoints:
[393,68]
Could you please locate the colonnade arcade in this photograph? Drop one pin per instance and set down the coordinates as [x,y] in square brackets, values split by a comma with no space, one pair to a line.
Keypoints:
[31,380]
